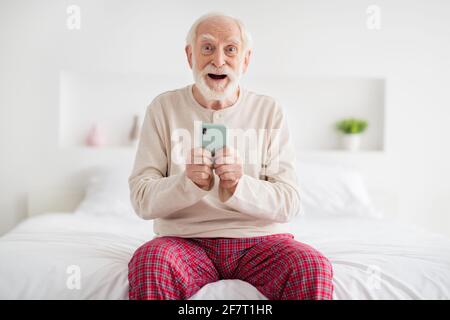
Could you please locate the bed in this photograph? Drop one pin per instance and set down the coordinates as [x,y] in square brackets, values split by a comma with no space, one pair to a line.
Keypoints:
[83,254]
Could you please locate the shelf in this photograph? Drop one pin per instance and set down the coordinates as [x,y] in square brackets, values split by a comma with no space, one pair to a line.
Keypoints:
[312,104]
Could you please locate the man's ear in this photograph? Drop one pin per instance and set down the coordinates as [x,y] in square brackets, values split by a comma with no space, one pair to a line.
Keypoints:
[246,60]
[188,50]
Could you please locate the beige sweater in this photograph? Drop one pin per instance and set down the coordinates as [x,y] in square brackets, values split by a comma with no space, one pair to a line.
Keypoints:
[160,190]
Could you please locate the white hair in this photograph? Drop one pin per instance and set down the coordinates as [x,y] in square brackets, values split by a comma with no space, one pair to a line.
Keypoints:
[247,42]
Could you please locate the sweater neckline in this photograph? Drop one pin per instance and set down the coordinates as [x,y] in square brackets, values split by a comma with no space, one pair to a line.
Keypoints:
[231,108]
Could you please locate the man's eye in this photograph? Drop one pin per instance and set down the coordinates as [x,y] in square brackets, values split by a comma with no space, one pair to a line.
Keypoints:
[232,49]
[206,48]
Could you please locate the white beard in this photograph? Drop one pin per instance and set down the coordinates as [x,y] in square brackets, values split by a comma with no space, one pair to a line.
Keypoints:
[211,94]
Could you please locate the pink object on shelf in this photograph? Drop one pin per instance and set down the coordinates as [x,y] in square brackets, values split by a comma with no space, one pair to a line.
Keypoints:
[95,137]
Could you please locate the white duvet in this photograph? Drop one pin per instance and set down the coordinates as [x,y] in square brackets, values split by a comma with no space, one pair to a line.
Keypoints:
[372,259]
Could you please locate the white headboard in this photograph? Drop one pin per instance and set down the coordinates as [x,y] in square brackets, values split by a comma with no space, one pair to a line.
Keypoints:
[53,200]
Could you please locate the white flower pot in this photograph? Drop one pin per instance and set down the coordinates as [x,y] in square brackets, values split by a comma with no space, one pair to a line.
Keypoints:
[351,141]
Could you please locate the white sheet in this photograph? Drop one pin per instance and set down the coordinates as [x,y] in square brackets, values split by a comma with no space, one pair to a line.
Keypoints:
[372,259]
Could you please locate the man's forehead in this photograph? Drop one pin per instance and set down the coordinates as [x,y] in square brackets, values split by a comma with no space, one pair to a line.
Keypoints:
[210,37]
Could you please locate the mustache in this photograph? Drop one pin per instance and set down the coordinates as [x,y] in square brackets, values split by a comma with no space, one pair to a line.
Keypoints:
[225,70]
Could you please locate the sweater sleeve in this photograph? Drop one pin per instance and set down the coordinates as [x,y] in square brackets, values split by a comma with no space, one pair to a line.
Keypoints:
[276,198]
[153,194]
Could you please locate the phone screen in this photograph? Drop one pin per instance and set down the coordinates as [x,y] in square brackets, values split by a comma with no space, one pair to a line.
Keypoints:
[214,136]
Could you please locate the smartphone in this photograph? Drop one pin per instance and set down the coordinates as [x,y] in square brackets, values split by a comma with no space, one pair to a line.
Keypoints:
[214,137]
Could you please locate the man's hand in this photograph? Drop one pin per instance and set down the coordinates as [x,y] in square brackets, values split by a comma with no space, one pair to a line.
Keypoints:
[199,168]
[228,166]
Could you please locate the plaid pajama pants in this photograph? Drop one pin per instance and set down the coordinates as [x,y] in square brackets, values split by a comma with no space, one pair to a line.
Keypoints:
[277,265]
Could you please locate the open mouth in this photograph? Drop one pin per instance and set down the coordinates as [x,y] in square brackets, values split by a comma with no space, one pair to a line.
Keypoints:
[217,76]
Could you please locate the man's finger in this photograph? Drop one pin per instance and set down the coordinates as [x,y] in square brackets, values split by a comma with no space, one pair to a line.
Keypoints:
[226,160]
[201,152]
[225,151]
[228,176]
[225,168]
[202,175]
[202,182]
[202,160]
[202,168]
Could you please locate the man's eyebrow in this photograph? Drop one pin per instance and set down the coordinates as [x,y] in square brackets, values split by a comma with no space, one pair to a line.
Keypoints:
[235,40]
[207,36]
[210,37]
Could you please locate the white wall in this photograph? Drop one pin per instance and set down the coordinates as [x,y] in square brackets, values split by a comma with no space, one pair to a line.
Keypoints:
[300,38]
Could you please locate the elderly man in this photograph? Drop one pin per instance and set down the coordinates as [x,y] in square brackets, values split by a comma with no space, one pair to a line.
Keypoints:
[219,216]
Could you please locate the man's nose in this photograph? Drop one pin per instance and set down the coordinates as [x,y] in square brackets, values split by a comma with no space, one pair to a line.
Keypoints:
[219,59]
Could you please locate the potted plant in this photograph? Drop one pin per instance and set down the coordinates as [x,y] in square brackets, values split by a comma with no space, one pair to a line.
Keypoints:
[352,129]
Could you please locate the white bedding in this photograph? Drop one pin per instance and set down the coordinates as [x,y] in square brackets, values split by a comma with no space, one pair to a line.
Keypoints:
[372,259]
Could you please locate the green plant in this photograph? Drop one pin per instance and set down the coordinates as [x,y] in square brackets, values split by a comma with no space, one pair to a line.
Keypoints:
[351,125]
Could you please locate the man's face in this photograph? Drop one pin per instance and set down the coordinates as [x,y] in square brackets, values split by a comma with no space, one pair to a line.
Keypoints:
[217,58]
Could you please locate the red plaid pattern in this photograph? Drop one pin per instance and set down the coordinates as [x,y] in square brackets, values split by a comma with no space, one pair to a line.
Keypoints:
[277,265]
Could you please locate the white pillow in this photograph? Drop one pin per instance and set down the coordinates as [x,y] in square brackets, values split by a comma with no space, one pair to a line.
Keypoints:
[325,190]
[107,194]
[333,190]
